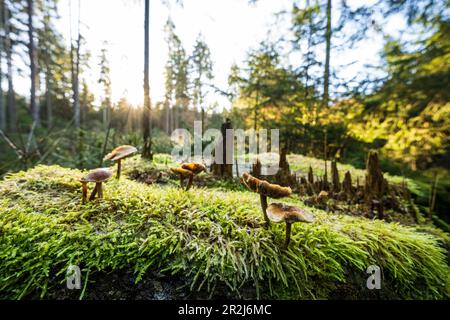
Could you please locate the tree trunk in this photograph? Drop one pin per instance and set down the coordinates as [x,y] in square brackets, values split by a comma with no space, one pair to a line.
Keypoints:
[347,186]
[48,99]
[335,177]
[76,87]
[34,107]
[2,105]
[83,106]
[167,120]
[326,82]
[74,68]
[203,120]
[12,123]
[325,152]
[375,184]
[147,149]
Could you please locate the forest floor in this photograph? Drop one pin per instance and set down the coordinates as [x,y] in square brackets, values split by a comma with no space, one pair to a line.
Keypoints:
[149,239]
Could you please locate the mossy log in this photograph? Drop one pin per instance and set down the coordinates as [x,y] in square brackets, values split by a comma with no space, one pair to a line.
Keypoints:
[40,237]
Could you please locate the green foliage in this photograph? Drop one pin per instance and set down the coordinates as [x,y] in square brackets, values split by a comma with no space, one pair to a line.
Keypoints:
[213,238]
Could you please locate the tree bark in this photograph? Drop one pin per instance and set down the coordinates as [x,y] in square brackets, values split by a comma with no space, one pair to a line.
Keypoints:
[2,105]
[12,114]
[76,86]
[75,66]
[83,106]
[335,176]
[34,107]
[326,82]
[147,149]
[48,98]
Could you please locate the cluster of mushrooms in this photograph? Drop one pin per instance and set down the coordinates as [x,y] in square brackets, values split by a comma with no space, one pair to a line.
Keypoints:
[275,212]
[100,175]
[188,170]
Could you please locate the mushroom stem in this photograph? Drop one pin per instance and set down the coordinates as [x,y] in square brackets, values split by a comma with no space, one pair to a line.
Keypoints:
[85,190]
[181,181]
[264,208]
[94,192]
[100,190]
[191,178]
[119,167]
[288,235]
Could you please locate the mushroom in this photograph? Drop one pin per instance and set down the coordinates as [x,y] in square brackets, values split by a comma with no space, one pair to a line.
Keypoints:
[278,212]
[118,154]
[183,173]
[265,189]
[98,176]
[195,168]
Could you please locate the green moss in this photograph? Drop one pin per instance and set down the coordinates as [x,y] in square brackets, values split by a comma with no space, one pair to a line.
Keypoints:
[212,237]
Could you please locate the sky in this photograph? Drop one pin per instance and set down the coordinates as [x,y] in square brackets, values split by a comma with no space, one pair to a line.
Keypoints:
[230,28]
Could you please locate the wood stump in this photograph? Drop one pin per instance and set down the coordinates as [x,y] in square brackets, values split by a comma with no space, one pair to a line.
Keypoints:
[375,184]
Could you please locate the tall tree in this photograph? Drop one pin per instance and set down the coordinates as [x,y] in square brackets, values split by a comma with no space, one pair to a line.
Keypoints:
[146,119]
[177,76]
[169,77]
[75,69]
[202,72]
[2,37]
[168,96]
[34,106]
[105,81]
[11,101]
[326,80]
[53,60]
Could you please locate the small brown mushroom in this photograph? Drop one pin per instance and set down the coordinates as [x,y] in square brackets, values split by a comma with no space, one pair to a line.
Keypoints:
[98,176]
[183,173]
[195,168]
[265,189]
[118,154]
[278,212]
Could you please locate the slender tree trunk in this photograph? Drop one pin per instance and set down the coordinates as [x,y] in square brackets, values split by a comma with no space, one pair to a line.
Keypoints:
[326,82]
[167,115]
[147,149]
[34,107]
[12,123]
[83,107]
[203,120]
[307,77]
[2,105]
[76,86]
[48,76]
[74,68]
[48,99]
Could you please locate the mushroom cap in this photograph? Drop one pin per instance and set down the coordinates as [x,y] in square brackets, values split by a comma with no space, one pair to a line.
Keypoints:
[97,175]
[263,187]
[183,172]
[194,167]
[120,153]
[323,193]
[279,212]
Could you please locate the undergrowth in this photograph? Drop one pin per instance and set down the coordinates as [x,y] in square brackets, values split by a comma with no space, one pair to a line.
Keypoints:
[211,237]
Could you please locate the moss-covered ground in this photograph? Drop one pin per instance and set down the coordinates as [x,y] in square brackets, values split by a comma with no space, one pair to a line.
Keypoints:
[211,238]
